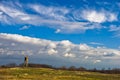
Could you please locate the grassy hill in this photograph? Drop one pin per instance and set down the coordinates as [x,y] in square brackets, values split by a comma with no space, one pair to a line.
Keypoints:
[51,74]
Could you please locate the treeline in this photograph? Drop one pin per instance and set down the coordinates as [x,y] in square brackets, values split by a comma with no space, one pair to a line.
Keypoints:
[12,65]
[71,68]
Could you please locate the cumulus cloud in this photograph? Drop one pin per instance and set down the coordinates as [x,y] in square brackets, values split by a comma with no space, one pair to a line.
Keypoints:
[98,16]
[66,43]
[84,47]
[69,55]
[94,16]
[52,51]
[56,51]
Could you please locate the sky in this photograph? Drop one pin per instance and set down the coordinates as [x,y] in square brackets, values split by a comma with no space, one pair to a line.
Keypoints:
[61,32]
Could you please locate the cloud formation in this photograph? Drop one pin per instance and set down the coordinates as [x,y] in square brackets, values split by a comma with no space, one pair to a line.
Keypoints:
[97,16]
[63,19]
[56,13]
[115,29]
[24,27]
[95,43]
[56,51]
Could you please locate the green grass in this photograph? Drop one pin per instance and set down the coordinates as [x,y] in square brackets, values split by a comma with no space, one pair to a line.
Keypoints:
[50,74]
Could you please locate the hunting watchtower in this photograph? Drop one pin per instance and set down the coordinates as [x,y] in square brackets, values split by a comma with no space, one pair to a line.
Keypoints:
[26,61]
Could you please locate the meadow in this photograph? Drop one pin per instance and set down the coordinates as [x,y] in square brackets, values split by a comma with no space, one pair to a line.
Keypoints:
[51,74]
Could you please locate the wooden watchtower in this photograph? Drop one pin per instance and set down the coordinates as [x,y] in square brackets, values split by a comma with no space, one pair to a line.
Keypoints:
[26,61]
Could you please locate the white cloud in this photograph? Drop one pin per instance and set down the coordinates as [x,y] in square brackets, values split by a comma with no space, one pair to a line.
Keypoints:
[115,29]
[108,54]
[13,44]
[52,51]
[96,43]
[19,38]
[112,17]
[98,16]
[56,50]
[2,50]
[66,43]
[51,16]
[94,16]
[84,47]
[57,31]
[59,18]
[86,57]
[52,45]
[24,27]
[57,13]
[69,55]
[1,13]
[25,18]
[13,15]
[97,61]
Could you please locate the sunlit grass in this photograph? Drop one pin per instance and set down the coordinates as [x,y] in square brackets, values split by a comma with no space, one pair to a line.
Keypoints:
[51,74]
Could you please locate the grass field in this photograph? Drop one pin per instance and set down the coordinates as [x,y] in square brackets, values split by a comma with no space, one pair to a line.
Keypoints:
[50,74]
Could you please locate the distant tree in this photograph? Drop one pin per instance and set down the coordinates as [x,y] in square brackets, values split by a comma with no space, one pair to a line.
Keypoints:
[39,65]
[11,65]
[115,70]
[94,70]
[21,65]
[109,68]
[63,68]
[72,68]
[103,70]
[81,69]
[2,66]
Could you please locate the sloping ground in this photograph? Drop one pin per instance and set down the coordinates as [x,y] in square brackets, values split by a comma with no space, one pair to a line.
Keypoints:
[50,74]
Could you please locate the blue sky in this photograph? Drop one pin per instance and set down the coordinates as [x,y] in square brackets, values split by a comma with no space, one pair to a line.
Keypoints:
[75,16]
[92,24]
